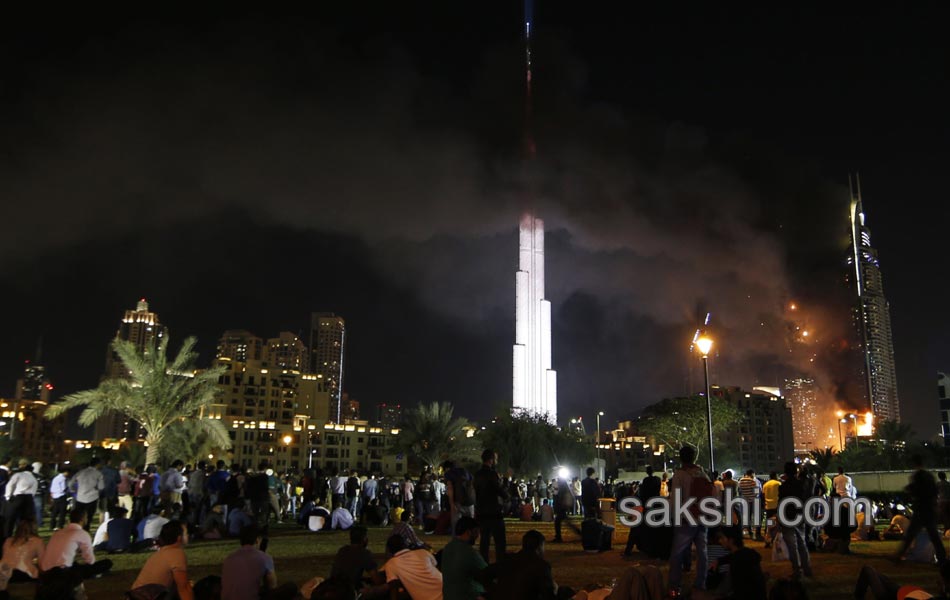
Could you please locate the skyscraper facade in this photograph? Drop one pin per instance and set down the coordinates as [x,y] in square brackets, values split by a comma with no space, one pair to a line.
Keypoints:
[327,351]
[36,437]
[800,395]
[141,327]
[534,381]
[872,317]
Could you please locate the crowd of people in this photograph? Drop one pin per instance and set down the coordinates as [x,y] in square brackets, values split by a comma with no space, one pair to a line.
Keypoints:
[160,510]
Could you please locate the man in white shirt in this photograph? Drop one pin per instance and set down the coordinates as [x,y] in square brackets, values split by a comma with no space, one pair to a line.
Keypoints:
[88,483]
[19,496]
[842,484]
[172,484]
[338,489]
[414,570]
[58,493]
[62,547]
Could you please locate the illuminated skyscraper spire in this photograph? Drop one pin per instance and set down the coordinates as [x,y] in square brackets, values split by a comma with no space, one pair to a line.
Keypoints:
[872,315]
[534,381]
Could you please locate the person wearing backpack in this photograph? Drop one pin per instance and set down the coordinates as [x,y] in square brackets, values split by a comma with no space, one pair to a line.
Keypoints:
[689,481]
[460,491]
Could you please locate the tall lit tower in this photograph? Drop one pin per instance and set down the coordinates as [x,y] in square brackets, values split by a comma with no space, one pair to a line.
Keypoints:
[872,316]
[327,350]
[534,381]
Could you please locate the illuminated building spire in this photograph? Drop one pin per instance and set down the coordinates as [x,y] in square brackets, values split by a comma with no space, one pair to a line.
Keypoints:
[872,315]
[534,381]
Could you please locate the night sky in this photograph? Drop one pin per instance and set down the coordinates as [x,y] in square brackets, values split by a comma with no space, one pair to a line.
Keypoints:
[240,170]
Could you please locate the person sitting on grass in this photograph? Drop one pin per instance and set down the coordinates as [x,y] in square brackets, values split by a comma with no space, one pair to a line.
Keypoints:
[375,514]
[341,518]
[524,575]
[247,571]
[403,528]
[462,565]
[883,588]
[61,550]
[150,527]
[165,571]
[741,568]
[354,561]
[120,532]
[23,551]
[239,518]
[214,526]
[414,571]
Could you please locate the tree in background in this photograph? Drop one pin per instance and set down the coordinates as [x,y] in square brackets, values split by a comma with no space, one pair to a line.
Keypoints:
[432,434]
[527,445]
[823,457]
[156,394]
[675,422]
[190,441]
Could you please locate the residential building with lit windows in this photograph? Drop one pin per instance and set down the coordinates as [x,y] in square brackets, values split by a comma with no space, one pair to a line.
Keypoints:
[21,417]
[763,437]
[281,416]
[327,353]
[287,351]
[141,327]
[240,345]
[388,415]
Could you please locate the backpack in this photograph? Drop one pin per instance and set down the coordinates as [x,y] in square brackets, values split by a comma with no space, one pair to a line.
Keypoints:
[700,487]
[464,487]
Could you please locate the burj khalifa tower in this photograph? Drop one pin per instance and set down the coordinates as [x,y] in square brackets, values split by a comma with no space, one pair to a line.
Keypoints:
[534,380]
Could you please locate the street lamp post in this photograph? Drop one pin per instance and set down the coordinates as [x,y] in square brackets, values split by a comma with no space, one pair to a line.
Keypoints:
[854,419]
[597,444]
[840,414]
[705,345]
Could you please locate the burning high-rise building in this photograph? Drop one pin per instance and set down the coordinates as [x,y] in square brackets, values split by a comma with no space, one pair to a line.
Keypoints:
[802,400]
[872,317]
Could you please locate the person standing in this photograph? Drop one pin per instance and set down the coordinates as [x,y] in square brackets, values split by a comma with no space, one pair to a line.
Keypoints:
[750,492]
[490,498]
[923,493]
[353,494]
[689,481]
[109,494]
[197,481]
[794,535]
[19,497]
[943,499]
[842,484]
[563,504]
[590,494]
[770,491]
[171,485]
[88,483]
[59,496]
[460,491]
[124,489]
[649,488]
[370,490]
[338,489]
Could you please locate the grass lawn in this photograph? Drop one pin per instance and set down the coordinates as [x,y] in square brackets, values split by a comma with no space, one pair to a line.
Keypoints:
[300,555]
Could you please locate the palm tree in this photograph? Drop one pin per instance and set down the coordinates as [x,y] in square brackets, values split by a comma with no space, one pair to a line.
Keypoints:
[156,394]
[894,432]
[432,434]
[188,440]
[823,458]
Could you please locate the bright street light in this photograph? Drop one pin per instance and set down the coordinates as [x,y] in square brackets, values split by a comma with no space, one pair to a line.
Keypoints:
[705,343]
[288,439]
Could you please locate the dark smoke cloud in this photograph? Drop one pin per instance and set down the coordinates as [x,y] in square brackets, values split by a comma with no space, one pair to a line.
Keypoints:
[649,226]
